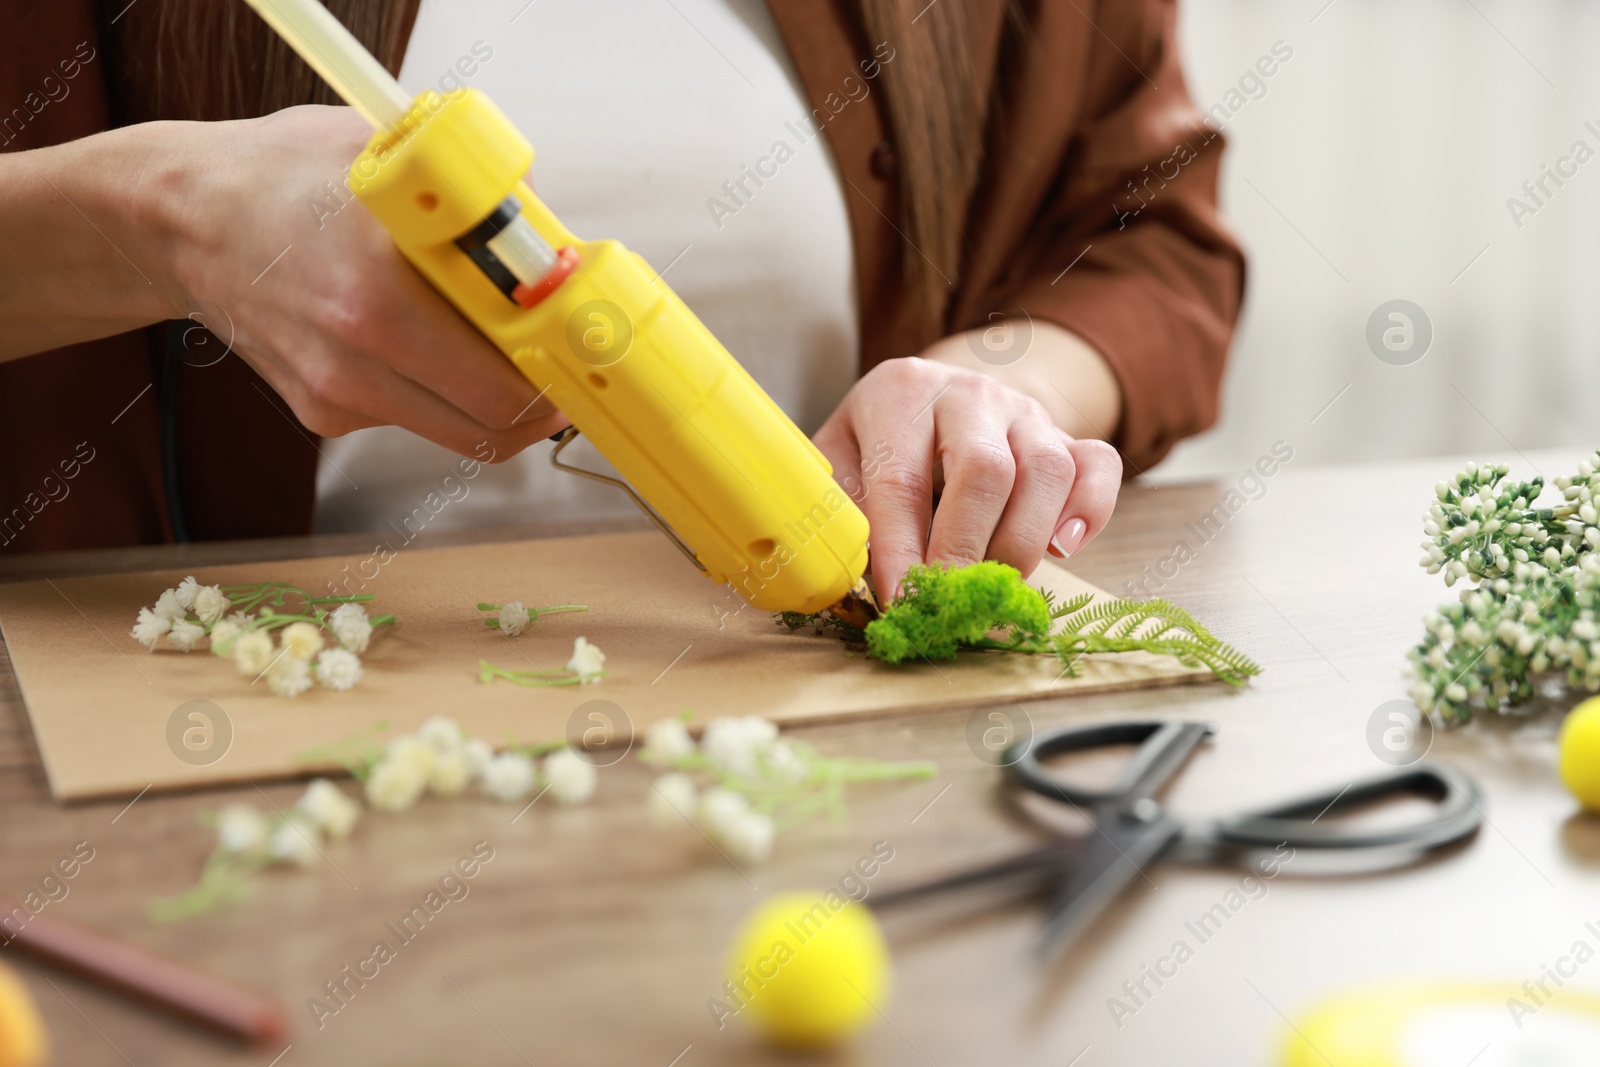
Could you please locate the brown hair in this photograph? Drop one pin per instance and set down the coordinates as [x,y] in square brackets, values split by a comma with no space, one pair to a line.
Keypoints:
[930,93]
[263,74]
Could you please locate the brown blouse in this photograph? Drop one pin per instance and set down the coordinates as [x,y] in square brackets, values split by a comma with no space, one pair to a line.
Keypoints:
[1097,162]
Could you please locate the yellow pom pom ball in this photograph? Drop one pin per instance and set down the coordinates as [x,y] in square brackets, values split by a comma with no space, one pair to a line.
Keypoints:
[809,969]
[1580,753]
[22,1040]
[1415,1023]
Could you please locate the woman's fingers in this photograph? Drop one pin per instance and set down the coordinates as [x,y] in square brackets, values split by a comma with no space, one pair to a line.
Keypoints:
[426,340]
[346,330]
[1046,473]
[837,442]
[334,392]
[1014,484]
[1093,496]
[970,438]
[890,414]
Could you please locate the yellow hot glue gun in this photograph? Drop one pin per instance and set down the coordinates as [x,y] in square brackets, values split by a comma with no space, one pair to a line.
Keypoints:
[710,458]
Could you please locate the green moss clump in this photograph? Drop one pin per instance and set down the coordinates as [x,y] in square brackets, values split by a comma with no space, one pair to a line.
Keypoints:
[943,609]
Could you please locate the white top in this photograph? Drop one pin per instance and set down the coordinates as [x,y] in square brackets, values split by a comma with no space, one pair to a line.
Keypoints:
[638,112]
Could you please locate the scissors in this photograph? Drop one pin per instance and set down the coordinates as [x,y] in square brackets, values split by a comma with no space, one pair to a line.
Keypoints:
[1132,830]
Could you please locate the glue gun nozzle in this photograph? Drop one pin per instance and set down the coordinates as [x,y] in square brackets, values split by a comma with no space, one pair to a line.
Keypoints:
[857,608]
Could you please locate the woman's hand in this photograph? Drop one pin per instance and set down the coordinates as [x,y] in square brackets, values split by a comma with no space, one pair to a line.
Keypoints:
[1011,483]
[342,326]
[248,228]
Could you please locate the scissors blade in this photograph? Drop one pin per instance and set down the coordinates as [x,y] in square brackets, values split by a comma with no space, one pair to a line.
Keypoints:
[1037,863]
[1119,851]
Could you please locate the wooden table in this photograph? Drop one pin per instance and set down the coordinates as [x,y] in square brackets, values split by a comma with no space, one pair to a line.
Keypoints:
[593,939]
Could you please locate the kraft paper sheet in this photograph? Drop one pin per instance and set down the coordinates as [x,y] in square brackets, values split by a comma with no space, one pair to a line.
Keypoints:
[101,704]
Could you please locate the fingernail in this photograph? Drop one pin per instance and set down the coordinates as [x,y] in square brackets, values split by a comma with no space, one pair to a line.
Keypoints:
[1069,538]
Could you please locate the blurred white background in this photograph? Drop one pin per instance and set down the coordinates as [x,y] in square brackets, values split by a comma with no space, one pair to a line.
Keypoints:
[1377,166]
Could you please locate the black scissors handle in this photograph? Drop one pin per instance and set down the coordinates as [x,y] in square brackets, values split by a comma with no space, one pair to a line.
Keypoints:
[1163,748]
[1456,814]
[1131,829]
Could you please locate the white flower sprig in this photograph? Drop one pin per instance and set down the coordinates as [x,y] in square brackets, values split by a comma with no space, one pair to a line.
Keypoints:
[588,664]
[238,621]
[249,841]
[513,617]
[759,784]
[1533,592]
[440,758]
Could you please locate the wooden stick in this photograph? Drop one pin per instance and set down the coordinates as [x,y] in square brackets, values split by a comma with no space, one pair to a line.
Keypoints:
[146,976]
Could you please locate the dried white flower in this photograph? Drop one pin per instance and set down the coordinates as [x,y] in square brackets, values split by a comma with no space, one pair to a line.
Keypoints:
[451,772]
[672,800]
[302,639]
[169,607]
[185,635]
[668,741]
[572,778]
[150,628]
[241,828]
[719,808]
[727,818]
[211,603]
[225,631]
[395,785]
[736,744]
[442,734]
[289,676]
[749,837]
[329,809]
[513,618]
[295,841]
[413,752]
[252,652]
[587,661]
[783,763]
[186,592]
[478,754]
[351,626]
[338,669]
[509,776]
